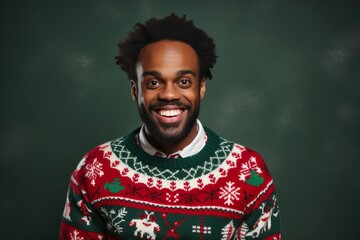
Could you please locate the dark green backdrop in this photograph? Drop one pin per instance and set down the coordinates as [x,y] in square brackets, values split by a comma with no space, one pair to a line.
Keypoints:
[286,84]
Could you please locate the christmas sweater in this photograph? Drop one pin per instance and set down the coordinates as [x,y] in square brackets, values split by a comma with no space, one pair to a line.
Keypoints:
[120,192]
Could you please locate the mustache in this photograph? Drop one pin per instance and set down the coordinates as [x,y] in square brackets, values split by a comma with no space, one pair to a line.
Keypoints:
[162,103]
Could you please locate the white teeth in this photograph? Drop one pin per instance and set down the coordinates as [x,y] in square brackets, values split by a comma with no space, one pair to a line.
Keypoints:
[170,113]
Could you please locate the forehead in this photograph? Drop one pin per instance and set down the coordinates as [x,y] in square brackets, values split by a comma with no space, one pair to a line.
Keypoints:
[167,55]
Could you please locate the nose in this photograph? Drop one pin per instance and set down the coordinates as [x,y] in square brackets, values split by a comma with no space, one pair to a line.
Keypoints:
[169,92]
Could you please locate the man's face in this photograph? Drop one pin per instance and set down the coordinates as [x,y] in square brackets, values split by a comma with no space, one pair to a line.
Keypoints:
[168,91]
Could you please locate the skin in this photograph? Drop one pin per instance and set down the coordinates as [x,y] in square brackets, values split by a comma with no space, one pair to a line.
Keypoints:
[168,92]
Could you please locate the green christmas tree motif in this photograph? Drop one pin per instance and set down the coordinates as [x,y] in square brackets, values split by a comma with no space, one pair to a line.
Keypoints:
[255,179]
[114,186]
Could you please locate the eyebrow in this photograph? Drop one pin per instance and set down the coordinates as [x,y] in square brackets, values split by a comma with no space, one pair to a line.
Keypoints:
[151,73]
[158,74]
[184,72]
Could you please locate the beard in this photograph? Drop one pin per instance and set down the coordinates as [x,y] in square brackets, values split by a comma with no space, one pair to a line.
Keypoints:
[171,133]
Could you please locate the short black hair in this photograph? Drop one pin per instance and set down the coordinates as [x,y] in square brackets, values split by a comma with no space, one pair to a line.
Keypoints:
[171,27]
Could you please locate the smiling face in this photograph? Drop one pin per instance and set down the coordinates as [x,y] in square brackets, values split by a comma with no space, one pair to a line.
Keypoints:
[168,92]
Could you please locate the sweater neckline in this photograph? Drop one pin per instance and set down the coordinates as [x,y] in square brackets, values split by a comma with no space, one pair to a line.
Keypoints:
[211,145]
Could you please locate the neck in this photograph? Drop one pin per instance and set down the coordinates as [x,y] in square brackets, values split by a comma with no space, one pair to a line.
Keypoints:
[128,149]
[172,148]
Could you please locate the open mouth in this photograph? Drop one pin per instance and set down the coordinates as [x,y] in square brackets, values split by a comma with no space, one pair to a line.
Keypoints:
[170,113]
[169,116]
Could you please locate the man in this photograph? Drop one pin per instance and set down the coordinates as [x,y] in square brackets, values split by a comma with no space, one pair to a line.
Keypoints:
[172,178]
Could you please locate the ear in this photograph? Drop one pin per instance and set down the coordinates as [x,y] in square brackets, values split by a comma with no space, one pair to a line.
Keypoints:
[133,88]
[202,88]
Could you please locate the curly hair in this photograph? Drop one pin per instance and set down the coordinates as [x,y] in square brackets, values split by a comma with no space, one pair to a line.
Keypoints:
[171,27]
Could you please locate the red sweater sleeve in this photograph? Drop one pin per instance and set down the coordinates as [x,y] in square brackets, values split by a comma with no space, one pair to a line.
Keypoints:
[80,220]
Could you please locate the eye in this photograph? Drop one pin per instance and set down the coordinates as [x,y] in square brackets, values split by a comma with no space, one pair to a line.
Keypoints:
[184,83]
[152,84]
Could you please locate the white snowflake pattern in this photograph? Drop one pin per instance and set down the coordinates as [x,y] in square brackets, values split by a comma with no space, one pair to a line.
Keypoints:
[229,193]
[247,167]
[94,170]
[74,236]
[115,219]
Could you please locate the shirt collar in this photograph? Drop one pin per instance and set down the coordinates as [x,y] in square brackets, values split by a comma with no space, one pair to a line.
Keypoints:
[193,148]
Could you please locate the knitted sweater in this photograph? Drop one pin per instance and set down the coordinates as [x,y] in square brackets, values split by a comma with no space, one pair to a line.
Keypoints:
[120,192]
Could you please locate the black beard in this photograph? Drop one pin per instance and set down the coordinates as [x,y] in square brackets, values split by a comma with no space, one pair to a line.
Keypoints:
[170,136]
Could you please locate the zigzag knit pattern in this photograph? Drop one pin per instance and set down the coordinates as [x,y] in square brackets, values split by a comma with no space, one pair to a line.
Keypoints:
[184,173]
[119,192]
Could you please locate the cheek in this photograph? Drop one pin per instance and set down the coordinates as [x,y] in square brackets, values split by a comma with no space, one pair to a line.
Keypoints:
[141,95]
[193,96]
[145,98]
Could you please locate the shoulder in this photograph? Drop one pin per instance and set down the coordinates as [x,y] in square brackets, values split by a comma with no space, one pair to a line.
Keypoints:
[104,151]
[93,164]
[249,165]
[249,160]
[92,161]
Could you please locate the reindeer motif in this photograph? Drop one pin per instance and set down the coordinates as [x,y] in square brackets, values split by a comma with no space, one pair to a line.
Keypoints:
[264,222]
[145,225]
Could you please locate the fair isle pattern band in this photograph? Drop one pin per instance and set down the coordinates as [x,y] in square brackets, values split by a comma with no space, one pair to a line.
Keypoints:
[158,179]
[208,166]
[183,208]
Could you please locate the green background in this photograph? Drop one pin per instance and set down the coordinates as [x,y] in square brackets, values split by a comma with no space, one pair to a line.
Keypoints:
[286,84]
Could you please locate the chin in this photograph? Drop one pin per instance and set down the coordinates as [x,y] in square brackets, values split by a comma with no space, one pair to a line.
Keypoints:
[169,135]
